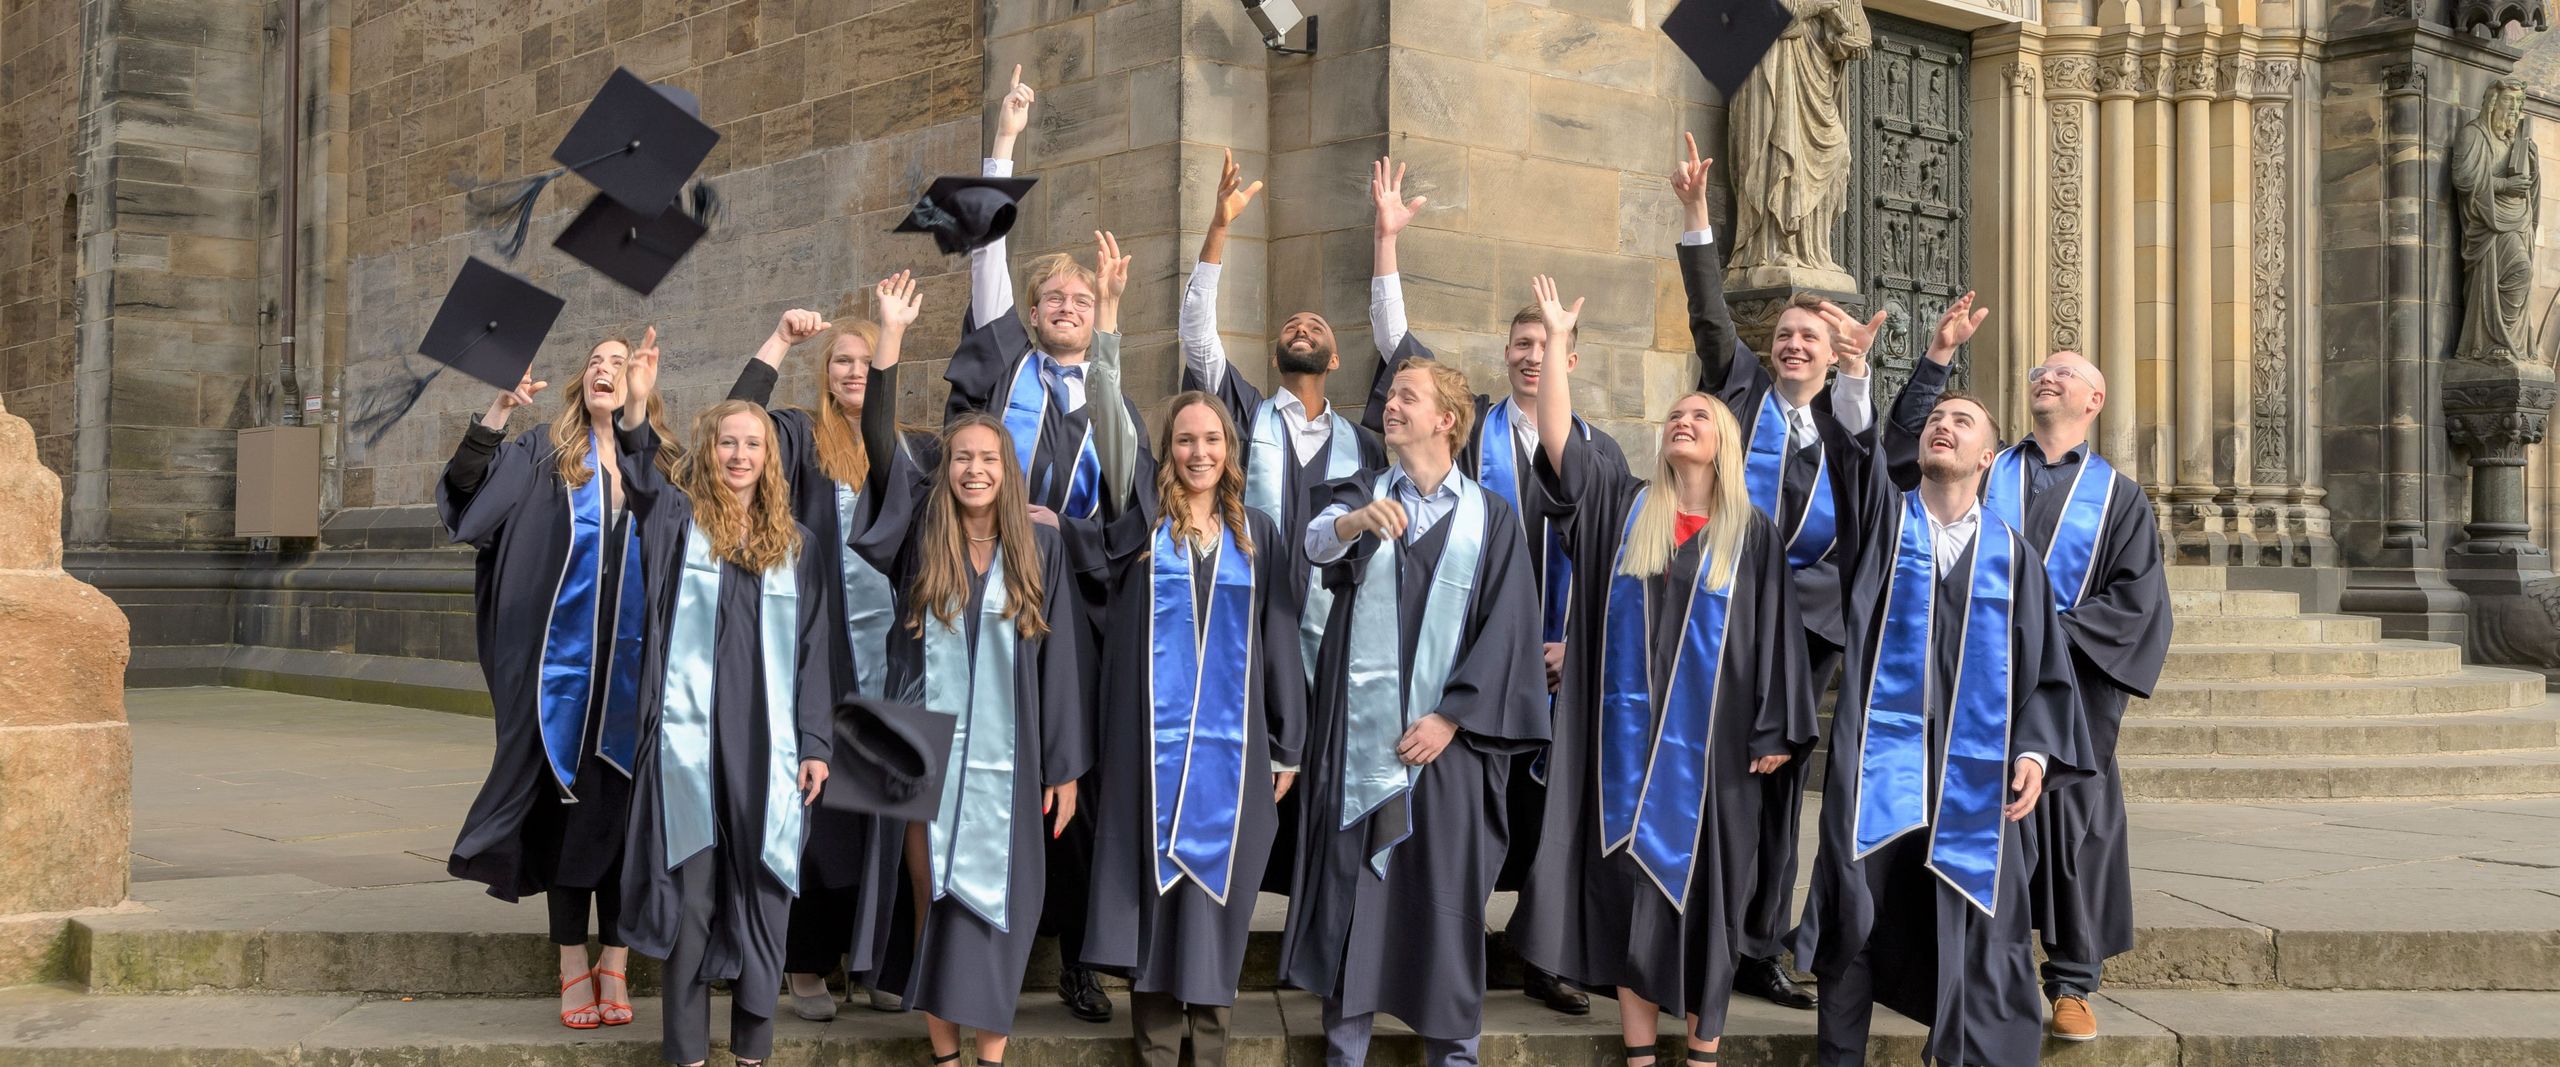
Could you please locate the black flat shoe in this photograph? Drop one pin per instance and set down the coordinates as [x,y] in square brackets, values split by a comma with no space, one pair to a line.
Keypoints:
[1769,981]
[1082,993]
[1546,989]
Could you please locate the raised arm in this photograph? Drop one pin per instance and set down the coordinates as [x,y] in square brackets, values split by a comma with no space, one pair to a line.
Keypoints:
[1387,326]
[1850,341]
[1726,367]
[1555,397]
[1115,435]
[1204,357]
[642,482]
[990,268]
[1899,438]
[468,470]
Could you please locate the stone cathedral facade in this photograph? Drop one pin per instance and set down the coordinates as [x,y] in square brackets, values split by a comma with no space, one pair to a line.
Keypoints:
[2252,215]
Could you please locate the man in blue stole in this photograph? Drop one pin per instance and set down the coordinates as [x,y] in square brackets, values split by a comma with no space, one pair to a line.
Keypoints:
[1956,712]
[1500,450]
[1039,390]
[2100,542]
[1807,432]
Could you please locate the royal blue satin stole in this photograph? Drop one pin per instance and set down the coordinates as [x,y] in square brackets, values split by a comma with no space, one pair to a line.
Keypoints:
[1026,406]
[1196,684]
[684,722]
[1497,467]
[2076,534]
[1653,767]
[971,836]
[1764,471]
[1266,476]
[1893,756]
[571,652]
[1377,708]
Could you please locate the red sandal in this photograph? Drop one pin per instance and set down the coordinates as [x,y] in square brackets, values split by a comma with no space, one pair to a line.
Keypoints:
[606,1008]
[592,1007]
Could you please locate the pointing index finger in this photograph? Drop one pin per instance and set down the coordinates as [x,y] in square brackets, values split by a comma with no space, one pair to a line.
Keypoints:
[1017,77]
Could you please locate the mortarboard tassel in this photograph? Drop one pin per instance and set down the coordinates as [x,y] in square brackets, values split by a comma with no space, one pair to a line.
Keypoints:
[494,204]
[382,405]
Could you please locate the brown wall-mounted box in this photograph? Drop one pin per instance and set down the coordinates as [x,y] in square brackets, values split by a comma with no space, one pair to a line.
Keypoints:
[279,489]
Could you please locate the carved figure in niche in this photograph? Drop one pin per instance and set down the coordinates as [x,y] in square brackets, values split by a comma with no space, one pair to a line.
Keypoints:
[1896,167]
[1897,245]
[1788,135]
[2496,182]
[1933,175]
[1897,84]
[1933,104]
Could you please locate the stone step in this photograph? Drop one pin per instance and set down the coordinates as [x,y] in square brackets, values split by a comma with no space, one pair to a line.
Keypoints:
[2235,778]
[2191,578]
[2470,689]
[2257,602]
[2250,663]
[2306,629]
[2537,728]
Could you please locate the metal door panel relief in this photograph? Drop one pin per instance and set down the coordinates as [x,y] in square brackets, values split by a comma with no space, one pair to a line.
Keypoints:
[1907,241]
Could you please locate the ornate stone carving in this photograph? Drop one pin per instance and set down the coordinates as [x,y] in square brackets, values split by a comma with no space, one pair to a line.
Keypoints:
[2237,74]
[2276,77]
[1909,234]
[2489,18]
[2271,310]
[2122,74]
[2496,414]
[2497,184]
[2071,74]
[2020,75]
[1788,138]
[2400,78]
[2070,168]
[2400,9]
[2194,74]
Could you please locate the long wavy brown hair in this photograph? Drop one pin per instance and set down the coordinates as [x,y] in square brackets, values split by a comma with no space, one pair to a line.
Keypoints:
[943,573]
[839,432]
[1176,497]
[758,536]
[569,429]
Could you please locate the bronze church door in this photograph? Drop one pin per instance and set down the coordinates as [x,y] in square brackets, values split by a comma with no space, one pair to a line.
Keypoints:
[1907,239]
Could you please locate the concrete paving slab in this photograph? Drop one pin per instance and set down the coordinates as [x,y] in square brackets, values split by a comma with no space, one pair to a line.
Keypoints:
[53,1018]
[2349,1029]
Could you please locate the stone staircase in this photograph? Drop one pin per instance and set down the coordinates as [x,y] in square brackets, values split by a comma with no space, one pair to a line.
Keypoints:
[2260,701]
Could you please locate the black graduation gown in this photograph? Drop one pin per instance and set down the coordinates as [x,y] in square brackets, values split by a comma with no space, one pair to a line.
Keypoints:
[1301,496]
[506,501]
[1527,800]
[1412,944]
[1887,924]
[965,970]
[1183,942]
[1729,371]
[2119,633]
[1600,921]
[750,907]
[847,851]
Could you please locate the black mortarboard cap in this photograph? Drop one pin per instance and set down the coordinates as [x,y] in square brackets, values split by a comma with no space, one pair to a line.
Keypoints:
[964,214]
[638,142]
[628,247]
[888,759]
[1727,38]
[489,327]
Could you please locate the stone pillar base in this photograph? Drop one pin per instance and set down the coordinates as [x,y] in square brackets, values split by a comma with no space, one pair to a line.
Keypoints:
[2413,602]
[2514,604]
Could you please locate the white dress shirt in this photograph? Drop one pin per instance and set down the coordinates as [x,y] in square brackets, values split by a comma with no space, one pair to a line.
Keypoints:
[1325,544]
[1948,541]
[1206,357]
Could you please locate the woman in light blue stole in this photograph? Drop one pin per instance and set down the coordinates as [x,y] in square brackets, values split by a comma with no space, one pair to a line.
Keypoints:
[980,590]
[1203,715]
[1683,684]
[556,588]
[735,721]
[851,861]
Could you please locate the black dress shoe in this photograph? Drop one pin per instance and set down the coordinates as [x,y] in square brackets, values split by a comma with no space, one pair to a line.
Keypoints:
[1082,993]
[1769,981]
[1546,989]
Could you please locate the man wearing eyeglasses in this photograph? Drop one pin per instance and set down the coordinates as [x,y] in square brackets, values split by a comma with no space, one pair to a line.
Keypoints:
[2101,547]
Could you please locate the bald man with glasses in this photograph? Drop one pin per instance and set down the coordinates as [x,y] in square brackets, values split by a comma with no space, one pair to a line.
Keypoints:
[2101,546]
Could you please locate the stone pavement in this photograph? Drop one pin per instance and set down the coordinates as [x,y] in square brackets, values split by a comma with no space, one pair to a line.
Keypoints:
[289,878]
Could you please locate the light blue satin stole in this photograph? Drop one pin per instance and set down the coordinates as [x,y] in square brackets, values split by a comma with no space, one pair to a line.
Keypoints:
[570,640]
[971,835]
[1026,405]
[1764,472]
[869,605]
[1196,685]
[1653,767]
[1893,756]
[2076,535]
[1266,475]
[684,724]
[1378,709]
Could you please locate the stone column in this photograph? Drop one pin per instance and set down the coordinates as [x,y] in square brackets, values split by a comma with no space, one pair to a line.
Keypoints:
[2192,500]
[2234,244]
[2118,426]
[2155,276]
[2070,87]
[66,761]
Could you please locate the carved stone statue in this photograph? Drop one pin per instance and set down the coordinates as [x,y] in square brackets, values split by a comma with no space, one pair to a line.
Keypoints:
[2496,182]
[1787,136]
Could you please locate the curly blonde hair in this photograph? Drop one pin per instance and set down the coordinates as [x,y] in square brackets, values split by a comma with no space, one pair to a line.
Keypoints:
[759,535]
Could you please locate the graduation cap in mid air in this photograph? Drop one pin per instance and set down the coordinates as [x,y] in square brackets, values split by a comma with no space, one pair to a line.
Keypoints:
[490,326]
[1727,38]
[639,143]
[888,759]
[965,214]
[634,249]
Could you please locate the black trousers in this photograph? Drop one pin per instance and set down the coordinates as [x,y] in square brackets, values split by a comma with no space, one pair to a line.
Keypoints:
[1159,1022]
[1070,883]
[569,906]
[685,998]
[821,928]
[1769,923]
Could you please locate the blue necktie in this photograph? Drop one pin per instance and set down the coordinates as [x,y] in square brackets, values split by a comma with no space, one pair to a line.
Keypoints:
[1054,376]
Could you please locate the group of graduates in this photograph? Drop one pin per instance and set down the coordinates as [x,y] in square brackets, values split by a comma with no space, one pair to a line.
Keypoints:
[1385,667]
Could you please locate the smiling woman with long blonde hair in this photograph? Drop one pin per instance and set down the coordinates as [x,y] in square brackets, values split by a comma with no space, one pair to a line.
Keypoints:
[736,710]
[1682,680]
[980,591]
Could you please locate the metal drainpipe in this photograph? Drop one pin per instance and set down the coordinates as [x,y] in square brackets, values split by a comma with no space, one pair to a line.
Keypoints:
[290,303]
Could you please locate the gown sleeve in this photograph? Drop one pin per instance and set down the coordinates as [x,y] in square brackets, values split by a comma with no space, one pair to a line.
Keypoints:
[1374,417]
[1727,368]
[2047,718]
[1066,722]
[2122,625]
[643,484]
[1497,691]
[755,383]
[484,483]
[979,366]
[1284,677]
[1900,432]
[885,513]
[817,696]
[1787,724]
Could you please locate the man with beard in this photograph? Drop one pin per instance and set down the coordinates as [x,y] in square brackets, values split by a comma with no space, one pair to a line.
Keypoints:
[2101,549]
[1499,454]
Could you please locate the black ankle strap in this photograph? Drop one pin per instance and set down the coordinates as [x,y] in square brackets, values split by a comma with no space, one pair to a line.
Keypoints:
[984,1062]
[948,1058]
[1696,1056]
[1634,1051]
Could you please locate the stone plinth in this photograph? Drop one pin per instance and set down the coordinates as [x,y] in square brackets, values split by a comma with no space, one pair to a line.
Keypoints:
[66,761]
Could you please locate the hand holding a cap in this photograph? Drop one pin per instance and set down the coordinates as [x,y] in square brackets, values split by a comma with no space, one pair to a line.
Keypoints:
[508,400]
[1013,115]
[640,380]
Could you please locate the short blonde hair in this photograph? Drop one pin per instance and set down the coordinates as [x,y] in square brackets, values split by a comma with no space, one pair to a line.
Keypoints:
[1050,268]
[1449,389]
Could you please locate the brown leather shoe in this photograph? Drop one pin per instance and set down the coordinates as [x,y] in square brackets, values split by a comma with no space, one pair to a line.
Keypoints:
[2072,1020]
